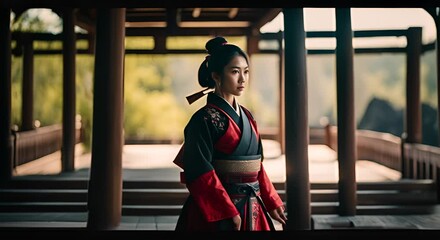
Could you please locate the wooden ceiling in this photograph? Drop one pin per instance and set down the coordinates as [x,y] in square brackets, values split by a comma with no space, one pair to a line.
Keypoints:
[161,23]
[188,21]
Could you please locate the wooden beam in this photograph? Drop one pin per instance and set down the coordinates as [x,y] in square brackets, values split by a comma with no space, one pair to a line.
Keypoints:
[86,21]
[267,17]
[196,12]
[173,19]
[188,31]
[232,13]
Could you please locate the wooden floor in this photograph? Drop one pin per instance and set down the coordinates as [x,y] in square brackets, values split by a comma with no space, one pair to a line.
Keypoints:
[154,162]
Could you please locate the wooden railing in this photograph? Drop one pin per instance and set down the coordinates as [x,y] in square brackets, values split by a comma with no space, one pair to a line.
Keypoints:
[33,144]
[382,148]
[413,160]
[421,161]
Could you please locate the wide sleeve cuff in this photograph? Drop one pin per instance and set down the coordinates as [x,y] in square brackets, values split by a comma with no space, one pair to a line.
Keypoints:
[269,195]
[211,197]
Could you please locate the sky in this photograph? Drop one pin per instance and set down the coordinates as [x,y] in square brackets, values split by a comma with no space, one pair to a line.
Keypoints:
[323,19]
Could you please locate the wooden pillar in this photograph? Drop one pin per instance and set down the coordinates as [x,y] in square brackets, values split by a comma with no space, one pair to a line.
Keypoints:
[251,48]
[69,92]
[296,119]
[160,43]
[105,184]
[437,180]
[405,157]
[252,44]
[91,39]
[413,116]
[345,112]
[437,46]
[281,128]
[27,107]
[436,17]
[5,97]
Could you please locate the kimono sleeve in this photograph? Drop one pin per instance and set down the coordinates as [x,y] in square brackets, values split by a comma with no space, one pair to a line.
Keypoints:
[269,195]
[201,180]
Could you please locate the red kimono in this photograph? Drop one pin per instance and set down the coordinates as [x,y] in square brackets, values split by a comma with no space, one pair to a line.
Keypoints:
[223,171]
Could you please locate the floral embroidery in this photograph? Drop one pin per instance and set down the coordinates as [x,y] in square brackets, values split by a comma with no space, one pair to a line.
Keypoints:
[217,119]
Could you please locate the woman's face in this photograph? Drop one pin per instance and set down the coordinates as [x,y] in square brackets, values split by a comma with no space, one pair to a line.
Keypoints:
[235,76]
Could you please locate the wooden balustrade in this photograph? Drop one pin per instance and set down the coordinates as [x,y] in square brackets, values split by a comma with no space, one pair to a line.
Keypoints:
[415,161]
[34,144]
[383,148]
[421,161]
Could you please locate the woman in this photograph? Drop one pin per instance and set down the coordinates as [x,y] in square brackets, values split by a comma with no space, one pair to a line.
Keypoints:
[222,153]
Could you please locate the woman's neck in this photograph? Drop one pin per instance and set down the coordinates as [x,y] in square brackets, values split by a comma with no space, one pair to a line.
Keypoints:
[227,97]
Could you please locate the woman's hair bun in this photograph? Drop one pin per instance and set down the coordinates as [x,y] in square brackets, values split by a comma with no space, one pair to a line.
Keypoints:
[214,43]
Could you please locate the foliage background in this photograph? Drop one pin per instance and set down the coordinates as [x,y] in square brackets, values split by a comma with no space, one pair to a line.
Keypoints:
[156,85]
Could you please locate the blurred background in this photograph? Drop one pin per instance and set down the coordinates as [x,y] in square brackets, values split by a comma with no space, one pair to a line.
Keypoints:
[156,85]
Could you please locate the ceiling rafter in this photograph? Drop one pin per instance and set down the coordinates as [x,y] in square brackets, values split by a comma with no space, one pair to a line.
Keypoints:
[196,12]
[233,13]
[241,21]
[268,16]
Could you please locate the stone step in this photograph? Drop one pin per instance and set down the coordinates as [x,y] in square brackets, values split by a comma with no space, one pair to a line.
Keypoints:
[54,182]
[172,210]
[178,196]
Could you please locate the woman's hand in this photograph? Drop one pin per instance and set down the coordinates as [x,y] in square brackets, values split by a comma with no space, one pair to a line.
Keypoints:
[278,214]
[236,220]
